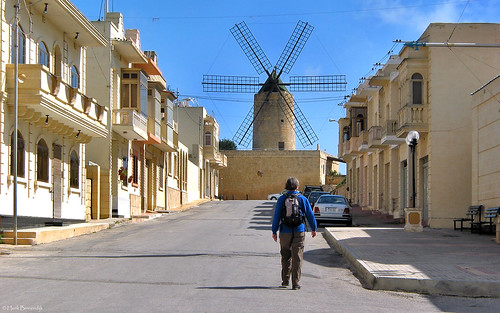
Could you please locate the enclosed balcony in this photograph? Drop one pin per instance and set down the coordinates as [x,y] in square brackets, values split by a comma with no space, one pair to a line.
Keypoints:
[169,139]
[46,100]
[130,124]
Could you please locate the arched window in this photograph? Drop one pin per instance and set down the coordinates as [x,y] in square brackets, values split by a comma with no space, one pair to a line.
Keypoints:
[22,45]
[360,124]
[208,139]
[74,169]
[346,133]
[20,155]
[416,88]
[42,161]
[75,77]
[57,70]
[43,54]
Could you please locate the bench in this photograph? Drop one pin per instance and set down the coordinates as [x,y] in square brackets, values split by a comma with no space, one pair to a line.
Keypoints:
[473,214]
[491,214]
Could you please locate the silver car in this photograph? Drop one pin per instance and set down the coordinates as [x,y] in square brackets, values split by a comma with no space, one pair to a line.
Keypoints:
[332,209]
[275,196]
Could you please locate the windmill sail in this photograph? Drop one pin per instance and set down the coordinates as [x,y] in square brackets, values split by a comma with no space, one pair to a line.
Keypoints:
[273,103]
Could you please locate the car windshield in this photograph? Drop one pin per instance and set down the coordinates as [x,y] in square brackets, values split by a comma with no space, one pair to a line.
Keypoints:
[332,200]
[314,196]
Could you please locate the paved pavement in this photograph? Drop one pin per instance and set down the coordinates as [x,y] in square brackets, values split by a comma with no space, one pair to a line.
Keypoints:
[435,261]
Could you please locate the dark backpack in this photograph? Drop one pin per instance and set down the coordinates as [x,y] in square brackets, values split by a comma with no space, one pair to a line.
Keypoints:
[291,214]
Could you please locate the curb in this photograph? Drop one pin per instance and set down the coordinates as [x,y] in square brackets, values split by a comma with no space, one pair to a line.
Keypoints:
[427,286]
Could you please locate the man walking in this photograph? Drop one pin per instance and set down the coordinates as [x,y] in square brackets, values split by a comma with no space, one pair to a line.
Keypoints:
[292,235]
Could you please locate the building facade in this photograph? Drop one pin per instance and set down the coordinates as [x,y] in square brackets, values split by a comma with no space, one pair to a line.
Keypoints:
[56,115]
[427,90]
[485,145]
[200,133]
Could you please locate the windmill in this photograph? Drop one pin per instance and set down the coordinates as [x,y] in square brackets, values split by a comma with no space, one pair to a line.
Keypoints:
[275,116]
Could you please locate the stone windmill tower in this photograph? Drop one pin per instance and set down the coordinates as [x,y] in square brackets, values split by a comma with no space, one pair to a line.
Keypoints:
[275,116]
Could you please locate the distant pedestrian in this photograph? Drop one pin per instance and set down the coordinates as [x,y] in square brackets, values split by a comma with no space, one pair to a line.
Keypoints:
[291,233]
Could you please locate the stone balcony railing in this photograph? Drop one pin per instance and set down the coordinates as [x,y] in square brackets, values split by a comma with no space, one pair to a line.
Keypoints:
[412,117]
[43,93]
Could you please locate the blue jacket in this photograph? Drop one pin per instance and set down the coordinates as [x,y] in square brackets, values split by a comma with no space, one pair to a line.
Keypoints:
[304,204]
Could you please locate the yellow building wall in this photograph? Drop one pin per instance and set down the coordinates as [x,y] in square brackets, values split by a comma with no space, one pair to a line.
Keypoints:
[255,174]
[486,145]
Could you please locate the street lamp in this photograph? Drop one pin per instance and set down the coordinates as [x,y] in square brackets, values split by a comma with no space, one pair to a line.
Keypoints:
[412,141]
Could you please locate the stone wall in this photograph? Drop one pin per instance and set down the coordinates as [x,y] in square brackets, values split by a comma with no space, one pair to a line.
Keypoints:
[253,175]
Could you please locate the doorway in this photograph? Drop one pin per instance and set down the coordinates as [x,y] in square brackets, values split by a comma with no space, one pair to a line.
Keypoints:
[57,181]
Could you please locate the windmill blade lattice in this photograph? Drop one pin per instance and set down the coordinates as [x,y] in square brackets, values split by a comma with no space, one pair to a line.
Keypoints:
[251,48]
[296,118]
[318,83]
[294,47]
[221,83]
[242,136]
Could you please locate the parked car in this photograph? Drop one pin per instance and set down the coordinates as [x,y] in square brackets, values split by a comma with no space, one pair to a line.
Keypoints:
[309,188]
[275,196]
[314,195]
[333,209]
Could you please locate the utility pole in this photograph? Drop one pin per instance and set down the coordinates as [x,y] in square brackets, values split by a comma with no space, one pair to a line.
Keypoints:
[16,102]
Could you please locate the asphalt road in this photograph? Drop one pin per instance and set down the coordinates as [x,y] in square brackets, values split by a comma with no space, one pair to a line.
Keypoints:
[217,257]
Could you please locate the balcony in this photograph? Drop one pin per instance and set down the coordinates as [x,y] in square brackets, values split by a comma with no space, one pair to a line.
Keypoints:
[43,94]
[375,137]
[389,134]
[154,132]
[130,124]
[352,147]
[412,117]
[167,139]
[215,158]
[363,145]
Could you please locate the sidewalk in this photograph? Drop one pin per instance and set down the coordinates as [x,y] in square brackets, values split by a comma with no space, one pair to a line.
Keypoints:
[41,235]
[435,261]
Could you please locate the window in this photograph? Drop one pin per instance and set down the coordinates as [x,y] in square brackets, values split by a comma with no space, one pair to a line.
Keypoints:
[75,77]
[74,169]
[135,164]
[57,70]
[281,145]
[22,45]
[416,86]
[20,155]
[42,161]
[43,54]
[208,139]
[360,124]
[161,171]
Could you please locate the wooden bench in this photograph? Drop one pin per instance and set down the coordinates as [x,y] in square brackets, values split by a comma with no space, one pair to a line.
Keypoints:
[491,214]
[473,215]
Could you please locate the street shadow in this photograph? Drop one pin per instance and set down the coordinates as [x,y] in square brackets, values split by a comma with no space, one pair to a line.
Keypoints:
[242,288]
[326,257]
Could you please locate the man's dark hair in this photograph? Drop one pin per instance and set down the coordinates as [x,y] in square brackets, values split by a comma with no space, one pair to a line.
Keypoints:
[292,183]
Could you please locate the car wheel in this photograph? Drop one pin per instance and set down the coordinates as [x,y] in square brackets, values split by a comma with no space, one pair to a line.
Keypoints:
[349,223]
[273,198]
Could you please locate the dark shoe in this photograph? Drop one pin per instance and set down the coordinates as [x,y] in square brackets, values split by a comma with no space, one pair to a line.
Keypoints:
[284,285]
[296,287]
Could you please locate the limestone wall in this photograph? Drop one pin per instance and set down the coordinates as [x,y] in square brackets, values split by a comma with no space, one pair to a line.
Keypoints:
[255,174]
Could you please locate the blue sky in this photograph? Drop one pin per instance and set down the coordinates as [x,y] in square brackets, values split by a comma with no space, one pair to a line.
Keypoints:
[192,38]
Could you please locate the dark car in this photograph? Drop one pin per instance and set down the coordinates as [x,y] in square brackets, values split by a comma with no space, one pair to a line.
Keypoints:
[309,188]
[314,195]
[332,209]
